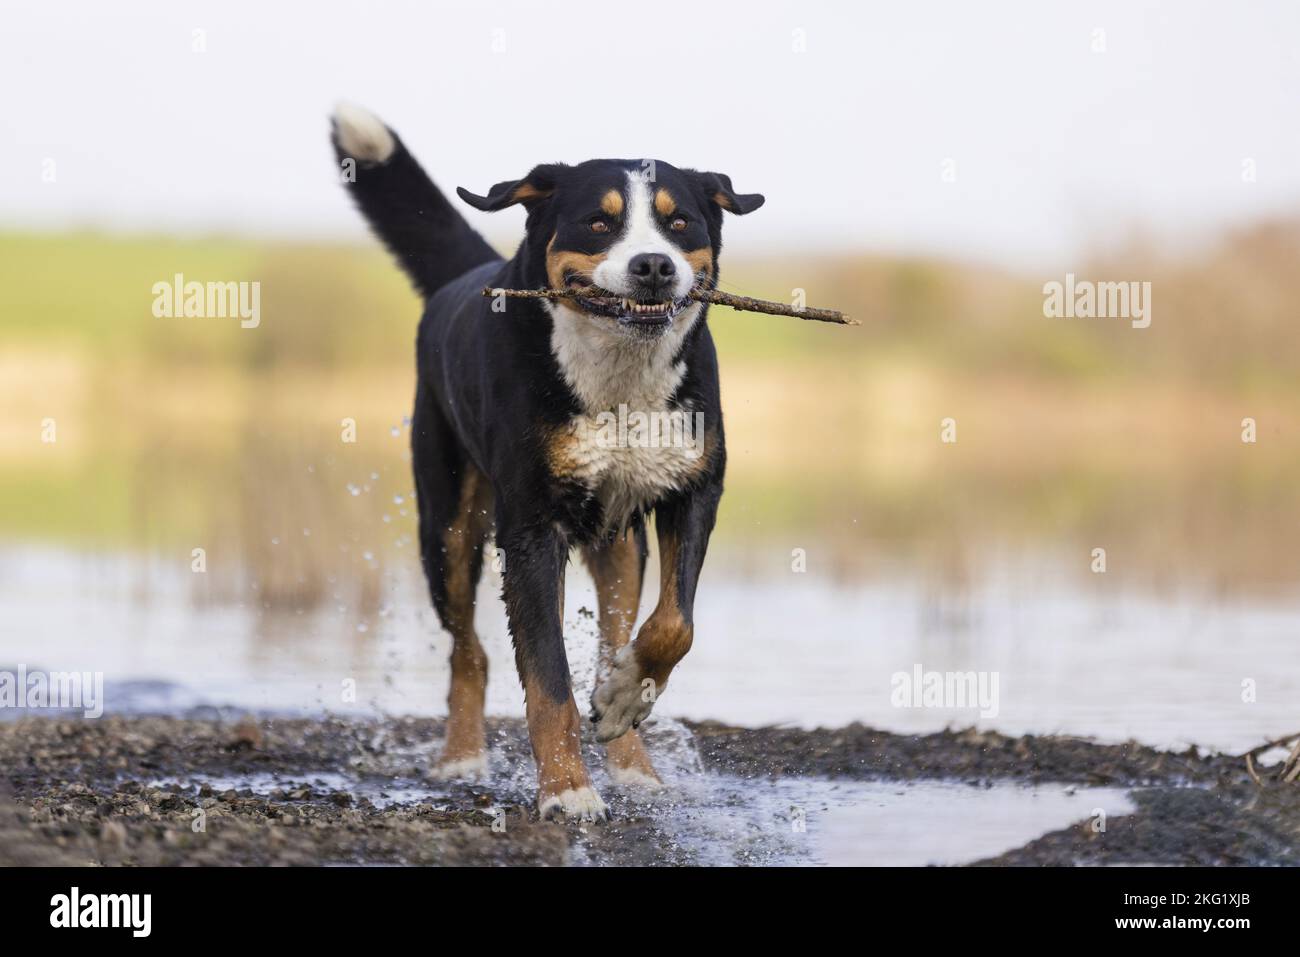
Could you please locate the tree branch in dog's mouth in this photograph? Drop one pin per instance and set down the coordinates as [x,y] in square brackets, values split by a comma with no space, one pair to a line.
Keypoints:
[601,301]
[630,309]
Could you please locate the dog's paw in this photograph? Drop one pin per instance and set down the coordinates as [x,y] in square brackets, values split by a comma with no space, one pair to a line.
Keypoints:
[622,701]
[636,780]
[362,135]
[472,768]
[576,804]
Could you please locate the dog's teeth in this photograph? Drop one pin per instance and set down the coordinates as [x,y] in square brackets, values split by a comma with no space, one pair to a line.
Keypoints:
[626,304]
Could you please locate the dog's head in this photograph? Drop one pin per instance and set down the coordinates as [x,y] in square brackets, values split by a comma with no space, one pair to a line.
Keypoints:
[643,232]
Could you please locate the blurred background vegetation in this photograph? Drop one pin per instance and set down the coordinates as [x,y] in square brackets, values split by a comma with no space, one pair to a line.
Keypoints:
[178,433]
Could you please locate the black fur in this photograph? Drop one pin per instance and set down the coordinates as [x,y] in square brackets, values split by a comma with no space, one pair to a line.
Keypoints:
[490,391]
[431,240]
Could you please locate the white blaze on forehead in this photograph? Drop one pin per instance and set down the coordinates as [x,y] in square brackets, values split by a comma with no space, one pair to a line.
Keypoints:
[641,234]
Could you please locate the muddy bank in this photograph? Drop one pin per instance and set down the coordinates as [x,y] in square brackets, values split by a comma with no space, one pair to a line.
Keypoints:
[975,757]
[211,790]
[1230,825]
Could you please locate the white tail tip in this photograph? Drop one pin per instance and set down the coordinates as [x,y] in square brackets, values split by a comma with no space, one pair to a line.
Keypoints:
[362,135]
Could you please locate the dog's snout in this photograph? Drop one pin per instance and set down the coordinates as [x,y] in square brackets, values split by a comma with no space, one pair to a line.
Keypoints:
[654,270]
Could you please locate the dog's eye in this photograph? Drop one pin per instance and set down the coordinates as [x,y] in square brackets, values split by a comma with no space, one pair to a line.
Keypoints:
[678,224]
[599,226]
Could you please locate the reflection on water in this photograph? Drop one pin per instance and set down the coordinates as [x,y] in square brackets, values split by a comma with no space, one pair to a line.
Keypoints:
[1070,656]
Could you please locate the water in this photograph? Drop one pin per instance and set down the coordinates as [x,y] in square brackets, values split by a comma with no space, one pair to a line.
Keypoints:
[1070,656]
[947,824]
[721,819]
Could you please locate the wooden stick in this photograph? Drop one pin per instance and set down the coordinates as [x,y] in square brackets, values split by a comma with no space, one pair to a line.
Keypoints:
[712,296]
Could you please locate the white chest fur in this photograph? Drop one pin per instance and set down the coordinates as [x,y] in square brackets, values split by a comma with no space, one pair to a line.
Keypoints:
[627,446]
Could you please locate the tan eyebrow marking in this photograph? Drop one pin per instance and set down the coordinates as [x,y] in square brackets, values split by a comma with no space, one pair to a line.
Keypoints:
[665,205]
[612,203]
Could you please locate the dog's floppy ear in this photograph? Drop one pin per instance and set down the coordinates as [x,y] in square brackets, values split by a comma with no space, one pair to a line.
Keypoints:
[536,186]
[718,187]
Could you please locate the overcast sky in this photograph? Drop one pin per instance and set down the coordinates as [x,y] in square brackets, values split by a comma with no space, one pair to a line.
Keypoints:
[1052,147]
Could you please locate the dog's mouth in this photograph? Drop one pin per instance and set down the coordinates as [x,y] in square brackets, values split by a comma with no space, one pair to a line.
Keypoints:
[628,310]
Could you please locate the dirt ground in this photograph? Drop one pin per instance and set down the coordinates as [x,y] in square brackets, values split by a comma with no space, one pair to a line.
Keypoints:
[220,790]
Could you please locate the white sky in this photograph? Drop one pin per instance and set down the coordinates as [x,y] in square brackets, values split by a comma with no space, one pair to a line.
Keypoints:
[1058,149]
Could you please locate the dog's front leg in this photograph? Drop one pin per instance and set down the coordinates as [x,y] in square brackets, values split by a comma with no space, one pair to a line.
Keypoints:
[640,672]
[534,592]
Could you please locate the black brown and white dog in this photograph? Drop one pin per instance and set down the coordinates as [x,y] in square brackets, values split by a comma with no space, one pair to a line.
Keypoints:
[510,428]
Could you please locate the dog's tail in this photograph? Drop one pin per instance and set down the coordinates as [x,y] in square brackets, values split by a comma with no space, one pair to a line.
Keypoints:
[431,241]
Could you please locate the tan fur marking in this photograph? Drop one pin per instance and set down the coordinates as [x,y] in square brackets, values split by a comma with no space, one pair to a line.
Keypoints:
[706,457]
[663,641]
[616,571]
[553,732]
[665,637]
[557,261]
[628,753]
[569,456]
[461,541]
[701,261]
[722,201]
[665,205]
[562,453]
[612,203]
[526,192]
[469,664]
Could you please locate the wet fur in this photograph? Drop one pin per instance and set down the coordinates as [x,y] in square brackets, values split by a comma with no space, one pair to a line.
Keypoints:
[504,405]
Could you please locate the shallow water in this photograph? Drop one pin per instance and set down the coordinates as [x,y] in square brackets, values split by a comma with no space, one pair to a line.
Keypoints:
[708,818]
[1070,656]
[928,823]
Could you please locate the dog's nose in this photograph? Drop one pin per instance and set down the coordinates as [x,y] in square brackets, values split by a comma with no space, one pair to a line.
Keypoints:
[653,270]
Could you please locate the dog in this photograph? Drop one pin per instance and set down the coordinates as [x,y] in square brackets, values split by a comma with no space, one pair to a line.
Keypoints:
[510,430]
